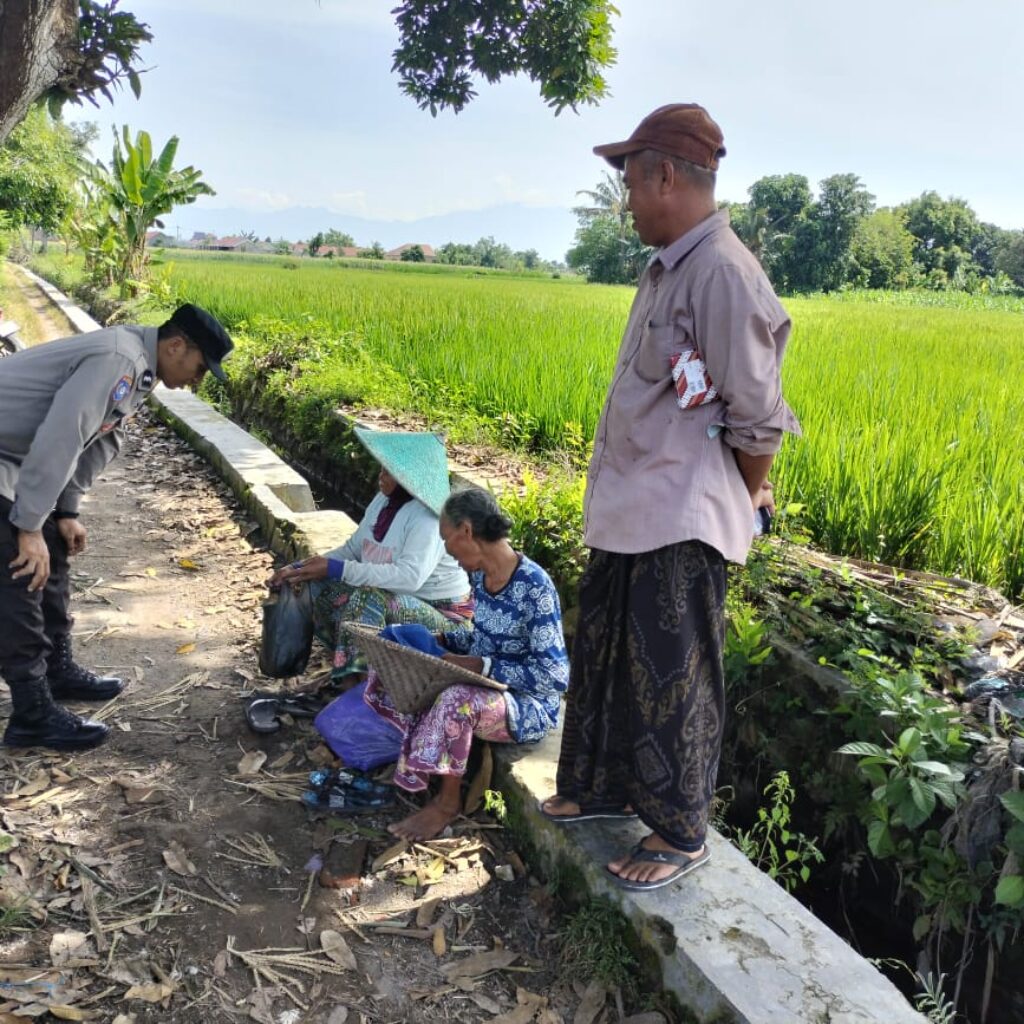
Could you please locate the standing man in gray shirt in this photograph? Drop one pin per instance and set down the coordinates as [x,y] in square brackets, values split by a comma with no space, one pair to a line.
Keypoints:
[62,405]
[693,418]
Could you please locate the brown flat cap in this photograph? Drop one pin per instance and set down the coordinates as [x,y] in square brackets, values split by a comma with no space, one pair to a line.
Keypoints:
[683,130]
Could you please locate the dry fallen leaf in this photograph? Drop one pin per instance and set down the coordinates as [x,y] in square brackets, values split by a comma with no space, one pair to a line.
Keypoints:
[425,912]
[69,1012]
[392,853]
[124,1018]
[220,964]
[37,784]
[339,1015]
[251,763]
[187,563]
[439,942]
[185,649]
[480,963]
[72,949]
[155,992]
[178,861]
[337,949]
[529,1005]
[591,1003]
[261,1005]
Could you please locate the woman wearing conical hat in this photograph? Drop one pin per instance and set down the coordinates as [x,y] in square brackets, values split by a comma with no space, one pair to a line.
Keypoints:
[394,568]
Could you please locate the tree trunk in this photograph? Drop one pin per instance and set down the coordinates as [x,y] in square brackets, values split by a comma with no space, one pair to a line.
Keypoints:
[38,42]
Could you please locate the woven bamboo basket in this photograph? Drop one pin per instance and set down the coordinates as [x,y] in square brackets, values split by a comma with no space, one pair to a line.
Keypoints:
[411,678]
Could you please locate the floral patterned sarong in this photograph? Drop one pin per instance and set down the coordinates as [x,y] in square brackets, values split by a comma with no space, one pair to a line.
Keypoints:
[336,603]
[437,741]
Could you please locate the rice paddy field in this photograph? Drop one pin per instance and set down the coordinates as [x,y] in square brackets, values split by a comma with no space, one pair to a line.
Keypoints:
[913,446]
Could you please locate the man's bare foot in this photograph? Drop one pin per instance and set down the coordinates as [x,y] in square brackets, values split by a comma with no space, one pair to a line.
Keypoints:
[556,807]
[559,807]
[646,871]
[427,823]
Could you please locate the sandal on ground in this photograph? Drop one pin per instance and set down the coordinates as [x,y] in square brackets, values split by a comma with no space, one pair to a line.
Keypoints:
[263,714]
[640,854]
[587,813]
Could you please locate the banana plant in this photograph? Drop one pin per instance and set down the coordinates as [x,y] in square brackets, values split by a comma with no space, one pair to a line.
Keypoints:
[141,189]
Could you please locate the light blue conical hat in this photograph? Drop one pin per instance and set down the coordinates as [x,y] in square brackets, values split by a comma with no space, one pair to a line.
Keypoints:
[417,461]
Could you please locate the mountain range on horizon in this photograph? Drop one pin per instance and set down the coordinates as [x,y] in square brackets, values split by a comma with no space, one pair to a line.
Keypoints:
[547,229]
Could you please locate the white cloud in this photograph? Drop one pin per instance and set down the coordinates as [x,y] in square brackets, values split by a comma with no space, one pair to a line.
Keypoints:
[508,190]
[347,202]
[258,199]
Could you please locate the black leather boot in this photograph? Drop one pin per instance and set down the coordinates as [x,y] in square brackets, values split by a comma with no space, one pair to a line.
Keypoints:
[69,681]
[37,721]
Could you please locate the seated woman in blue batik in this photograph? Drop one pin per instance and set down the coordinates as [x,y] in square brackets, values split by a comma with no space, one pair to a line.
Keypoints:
[517,640]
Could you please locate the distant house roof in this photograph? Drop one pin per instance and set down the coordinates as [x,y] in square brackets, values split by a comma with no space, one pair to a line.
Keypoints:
[298,248]
[396,254]
[228,242]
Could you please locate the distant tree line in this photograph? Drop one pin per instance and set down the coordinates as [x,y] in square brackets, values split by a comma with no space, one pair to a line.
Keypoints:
[836,239]
[488,253]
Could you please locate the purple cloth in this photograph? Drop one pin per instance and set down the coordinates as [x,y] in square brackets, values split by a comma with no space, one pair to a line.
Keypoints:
[398,497]
[356,733]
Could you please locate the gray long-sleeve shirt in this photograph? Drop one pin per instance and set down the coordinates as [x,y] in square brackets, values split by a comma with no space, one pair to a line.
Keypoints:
[61,407]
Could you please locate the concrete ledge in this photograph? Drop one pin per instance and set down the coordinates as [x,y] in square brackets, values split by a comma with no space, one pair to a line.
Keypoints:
[733,946]
[77,317]
[278,497]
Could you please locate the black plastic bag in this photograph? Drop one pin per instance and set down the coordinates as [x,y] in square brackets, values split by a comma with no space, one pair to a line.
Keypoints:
[287,633]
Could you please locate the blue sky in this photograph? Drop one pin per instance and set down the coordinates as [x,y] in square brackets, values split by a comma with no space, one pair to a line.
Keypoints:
[287,103]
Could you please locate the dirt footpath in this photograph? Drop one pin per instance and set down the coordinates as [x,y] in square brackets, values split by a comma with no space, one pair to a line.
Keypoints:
[138,866]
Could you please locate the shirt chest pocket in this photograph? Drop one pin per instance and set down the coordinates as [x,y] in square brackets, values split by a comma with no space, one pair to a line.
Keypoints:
[658,345]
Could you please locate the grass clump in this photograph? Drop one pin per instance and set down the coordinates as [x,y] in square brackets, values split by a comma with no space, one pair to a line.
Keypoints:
[597,943]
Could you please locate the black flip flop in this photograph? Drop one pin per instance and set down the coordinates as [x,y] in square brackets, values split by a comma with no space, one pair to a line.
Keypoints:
[640,854]
[263,713]
[587,813]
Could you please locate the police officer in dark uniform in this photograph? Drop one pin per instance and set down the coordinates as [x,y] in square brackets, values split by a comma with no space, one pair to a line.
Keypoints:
[62,405]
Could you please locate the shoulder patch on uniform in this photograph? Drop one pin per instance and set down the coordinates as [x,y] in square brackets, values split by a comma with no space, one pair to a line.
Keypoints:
[121,388]
[146,381]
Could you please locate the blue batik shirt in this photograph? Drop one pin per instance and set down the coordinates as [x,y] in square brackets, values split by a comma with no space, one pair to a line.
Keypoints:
[520,630]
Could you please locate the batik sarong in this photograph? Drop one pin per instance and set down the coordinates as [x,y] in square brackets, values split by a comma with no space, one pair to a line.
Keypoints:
[336,603]
[437,741]
[645,706]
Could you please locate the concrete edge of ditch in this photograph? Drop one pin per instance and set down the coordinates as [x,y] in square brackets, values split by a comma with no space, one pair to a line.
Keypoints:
[731,945]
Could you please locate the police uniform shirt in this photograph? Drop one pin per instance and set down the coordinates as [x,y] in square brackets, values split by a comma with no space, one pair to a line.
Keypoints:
[61,406]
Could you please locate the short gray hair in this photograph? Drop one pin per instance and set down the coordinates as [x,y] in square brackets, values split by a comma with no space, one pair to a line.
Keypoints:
[479,508]
[700,177]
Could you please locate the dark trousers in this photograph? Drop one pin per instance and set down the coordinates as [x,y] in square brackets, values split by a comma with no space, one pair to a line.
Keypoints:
[28,621]
[646,701]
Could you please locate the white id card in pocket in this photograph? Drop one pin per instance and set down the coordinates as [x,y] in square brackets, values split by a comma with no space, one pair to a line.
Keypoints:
[693,383]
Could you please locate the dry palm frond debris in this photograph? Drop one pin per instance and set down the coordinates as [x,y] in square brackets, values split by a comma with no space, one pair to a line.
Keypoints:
[170,698]
[286,787]
[279,967]
[255,851]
